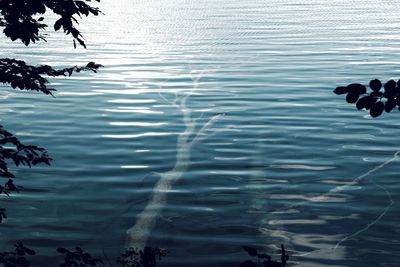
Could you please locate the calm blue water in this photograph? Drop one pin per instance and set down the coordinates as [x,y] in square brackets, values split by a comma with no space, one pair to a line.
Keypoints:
[259,172]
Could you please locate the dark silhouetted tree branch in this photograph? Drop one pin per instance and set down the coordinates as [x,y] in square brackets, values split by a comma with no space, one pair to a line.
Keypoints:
[19,22]
[27,77]
[22,20]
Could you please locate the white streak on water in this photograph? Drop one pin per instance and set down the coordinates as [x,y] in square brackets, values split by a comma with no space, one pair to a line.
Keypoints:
[126,136]
[138,234]
[134,167]
[325,197]
[136,123]
[79,93]
[142,111]
[369,225]
[300,166]
[131,101]
[355,181]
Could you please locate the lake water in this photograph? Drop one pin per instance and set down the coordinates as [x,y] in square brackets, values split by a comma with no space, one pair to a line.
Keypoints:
[249,85]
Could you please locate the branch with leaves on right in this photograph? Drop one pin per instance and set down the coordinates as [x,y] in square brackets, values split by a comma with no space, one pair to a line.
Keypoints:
[375,101]
[20,75]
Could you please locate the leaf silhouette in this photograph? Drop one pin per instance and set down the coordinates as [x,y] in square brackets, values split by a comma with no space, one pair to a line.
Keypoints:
[352,97]
[375,85]
[365,102]
[357,88]
[57,24]
[390,89]
[361,102]
[377,109]
[376,94]
[390,104]
[340,90]
[391,84]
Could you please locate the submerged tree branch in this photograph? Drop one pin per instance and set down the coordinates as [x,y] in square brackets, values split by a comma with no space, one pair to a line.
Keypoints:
[138,234]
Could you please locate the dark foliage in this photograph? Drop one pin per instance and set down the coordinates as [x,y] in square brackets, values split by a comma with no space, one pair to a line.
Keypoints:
[16,258]
[78,258]
[20,75]
[18,17]
[9,187]
[22,20]
[375,101]
[131,257]
[264,259]
[12,150]
[147,257]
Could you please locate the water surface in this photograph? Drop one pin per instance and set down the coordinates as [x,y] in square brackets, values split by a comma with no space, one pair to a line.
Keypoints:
[283,138]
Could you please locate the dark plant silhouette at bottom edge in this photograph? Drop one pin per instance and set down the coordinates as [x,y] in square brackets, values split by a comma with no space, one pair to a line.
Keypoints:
[16,258]
[264,259]
[131,257]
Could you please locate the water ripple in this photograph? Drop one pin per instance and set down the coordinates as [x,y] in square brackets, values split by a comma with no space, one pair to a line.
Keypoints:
[282,166]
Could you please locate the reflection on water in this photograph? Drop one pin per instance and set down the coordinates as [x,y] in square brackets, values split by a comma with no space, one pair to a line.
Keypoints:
[284,161]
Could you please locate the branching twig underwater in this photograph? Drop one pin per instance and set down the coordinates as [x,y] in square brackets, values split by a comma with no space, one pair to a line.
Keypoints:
[138,234]
[179,102]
